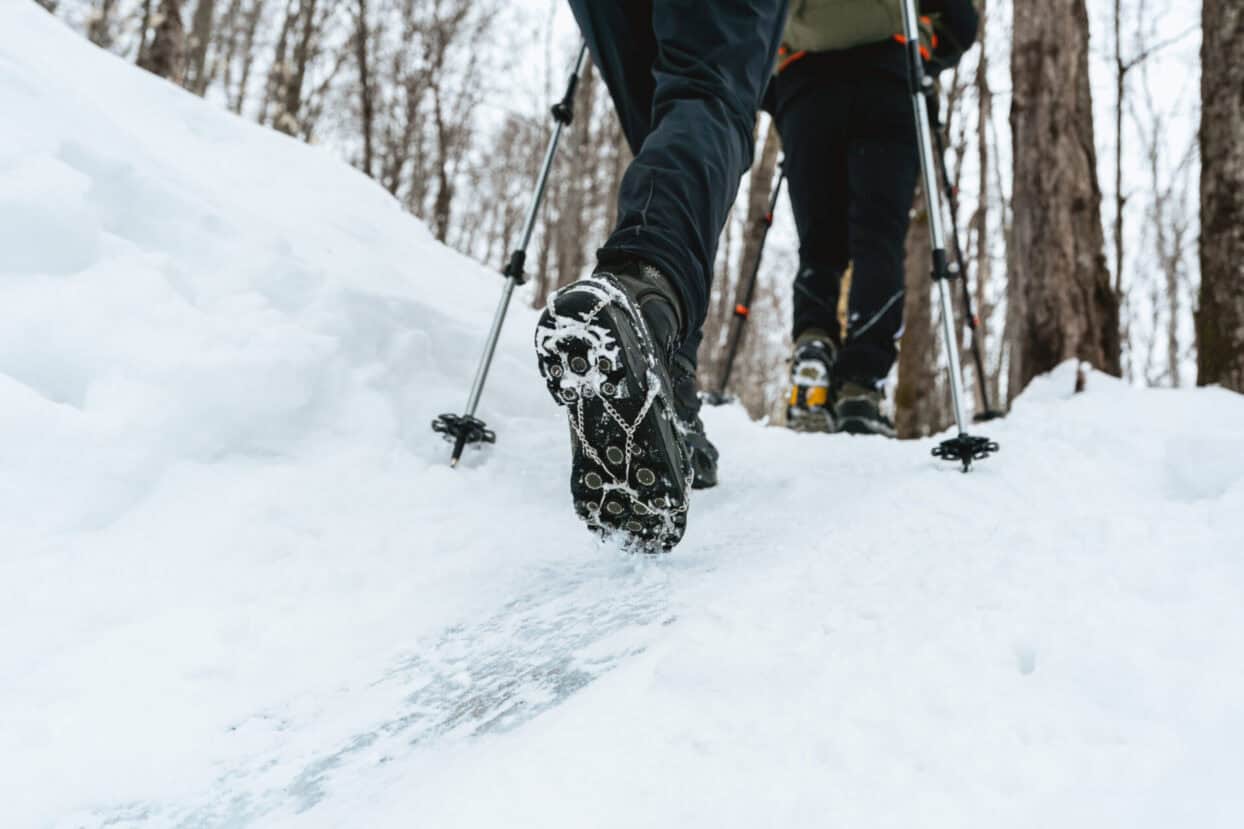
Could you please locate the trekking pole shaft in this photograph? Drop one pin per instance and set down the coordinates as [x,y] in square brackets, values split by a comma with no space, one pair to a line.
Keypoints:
[933,205]
[490,348]
[529,226]
[952,354]
[533,210]
[981,381]
[743,309]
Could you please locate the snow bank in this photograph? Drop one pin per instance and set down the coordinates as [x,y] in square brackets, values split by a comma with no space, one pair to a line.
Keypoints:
[240,587]
[220,351]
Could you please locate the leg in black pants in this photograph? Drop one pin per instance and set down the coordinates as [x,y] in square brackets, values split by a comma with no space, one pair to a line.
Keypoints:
[686,77]
[852,161]
[815,141]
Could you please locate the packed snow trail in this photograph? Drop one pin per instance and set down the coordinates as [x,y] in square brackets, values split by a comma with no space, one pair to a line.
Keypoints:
[239,585]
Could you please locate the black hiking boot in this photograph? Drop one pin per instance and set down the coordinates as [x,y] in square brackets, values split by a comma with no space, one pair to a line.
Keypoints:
[809,408]
[857,409]
[603,346]
[687,406]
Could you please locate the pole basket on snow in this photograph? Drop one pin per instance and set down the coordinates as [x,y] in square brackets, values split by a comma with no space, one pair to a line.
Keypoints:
[467,429]
[965,448]
[462,429]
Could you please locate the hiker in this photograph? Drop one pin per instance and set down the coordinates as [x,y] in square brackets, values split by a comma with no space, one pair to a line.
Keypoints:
[842,105]
[686,77]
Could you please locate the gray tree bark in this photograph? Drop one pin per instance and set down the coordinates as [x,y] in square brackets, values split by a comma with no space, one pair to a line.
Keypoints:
[980,219]
[288,117]
[99,27]
[760,190]
[200,39]
[918,409]
[367,90]
[166,54]
[1220,318]
[1068,306]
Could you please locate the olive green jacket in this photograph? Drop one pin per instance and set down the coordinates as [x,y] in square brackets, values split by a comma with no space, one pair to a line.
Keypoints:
[830,25]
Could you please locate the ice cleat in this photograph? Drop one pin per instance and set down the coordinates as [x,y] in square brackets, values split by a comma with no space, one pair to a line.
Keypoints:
[604,359]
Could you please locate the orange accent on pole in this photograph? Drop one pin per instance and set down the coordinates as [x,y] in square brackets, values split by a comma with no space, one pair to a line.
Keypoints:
[924,50]
[741,311]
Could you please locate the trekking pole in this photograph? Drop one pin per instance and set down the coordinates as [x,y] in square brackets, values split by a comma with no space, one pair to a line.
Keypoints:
[467,428]
[952,194]
[743,310]
[965,448]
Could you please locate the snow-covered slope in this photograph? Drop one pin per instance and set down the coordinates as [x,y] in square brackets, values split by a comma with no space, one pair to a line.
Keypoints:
[240,586]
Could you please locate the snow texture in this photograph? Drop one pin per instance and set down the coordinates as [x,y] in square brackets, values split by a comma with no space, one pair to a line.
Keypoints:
[240,586]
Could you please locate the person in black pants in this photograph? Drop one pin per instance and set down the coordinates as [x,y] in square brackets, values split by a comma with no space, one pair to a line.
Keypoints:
[686,77]
[847,126]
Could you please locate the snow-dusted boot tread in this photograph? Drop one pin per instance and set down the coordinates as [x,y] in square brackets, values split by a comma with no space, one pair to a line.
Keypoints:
[630,469]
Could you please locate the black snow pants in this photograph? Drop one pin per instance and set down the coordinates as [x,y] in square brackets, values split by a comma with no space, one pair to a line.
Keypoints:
[686,77]
[852,160]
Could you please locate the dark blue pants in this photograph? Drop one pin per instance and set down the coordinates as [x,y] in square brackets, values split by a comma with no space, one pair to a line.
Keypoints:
[852,161]
[686,77]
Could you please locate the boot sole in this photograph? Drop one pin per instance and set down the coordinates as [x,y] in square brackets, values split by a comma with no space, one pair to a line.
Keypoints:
[811,421]
[630,473]
[861,426]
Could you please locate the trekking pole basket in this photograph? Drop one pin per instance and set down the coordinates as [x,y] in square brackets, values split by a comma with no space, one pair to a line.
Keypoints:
[466,429]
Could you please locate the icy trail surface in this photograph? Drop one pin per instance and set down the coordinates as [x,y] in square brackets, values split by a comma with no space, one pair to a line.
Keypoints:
[239,585]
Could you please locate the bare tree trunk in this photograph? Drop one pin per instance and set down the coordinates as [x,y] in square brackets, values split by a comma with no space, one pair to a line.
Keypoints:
[1070,308]
[1170,268]
[144,27]
[248,54]
[200,40]
[759,191]
[291,75]
[1120,91]
[278,73]
[166,54]
[367,100]
[918,396]
[1220,318]
[980,221]
[99,27]
[225,46]
[444,185]
[1121,69]
[957,143]
[715,329]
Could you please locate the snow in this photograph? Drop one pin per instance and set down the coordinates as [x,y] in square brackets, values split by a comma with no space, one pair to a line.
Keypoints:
[240,586]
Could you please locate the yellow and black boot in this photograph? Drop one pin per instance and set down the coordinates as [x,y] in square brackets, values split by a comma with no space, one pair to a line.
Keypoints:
[809,408]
